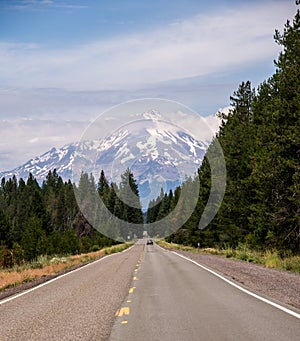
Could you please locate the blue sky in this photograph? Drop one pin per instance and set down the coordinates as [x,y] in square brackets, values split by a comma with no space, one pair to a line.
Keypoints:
[63,62]
[57,22]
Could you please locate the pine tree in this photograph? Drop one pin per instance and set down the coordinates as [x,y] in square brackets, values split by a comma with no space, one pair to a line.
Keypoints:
[275,174]
[236,138]
[103,186]
[129,206]
[33,240]
[129,194]
[4,229]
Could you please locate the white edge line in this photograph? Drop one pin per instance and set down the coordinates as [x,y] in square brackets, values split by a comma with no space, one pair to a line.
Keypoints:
[278,306]
[5,300]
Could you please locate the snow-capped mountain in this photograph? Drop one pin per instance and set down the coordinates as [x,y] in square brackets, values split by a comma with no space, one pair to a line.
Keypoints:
[60,159]
[159,156]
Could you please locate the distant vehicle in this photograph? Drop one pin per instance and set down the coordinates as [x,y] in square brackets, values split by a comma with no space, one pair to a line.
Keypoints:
[149,242]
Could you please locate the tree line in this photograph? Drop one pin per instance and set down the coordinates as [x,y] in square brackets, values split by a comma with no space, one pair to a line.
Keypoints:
[260,138]
[46,219]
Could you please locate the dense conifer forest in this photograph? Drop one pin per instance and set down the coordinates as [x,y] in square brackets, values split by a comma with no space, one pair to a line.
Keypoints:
[46,219]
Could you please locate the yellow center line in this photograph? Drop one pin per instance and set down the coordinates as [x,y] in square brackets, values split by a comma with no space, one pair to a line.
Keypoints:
[131,290]
[123,311]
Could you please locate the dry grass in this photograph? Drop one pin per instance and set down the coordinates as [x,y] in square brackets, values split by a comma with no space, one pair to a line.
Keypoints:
[45,266]
[268,258]
[12,278]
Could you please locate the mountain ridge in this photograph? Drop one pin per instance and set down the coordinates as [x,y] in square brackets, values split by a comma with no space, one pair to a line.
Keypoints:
[158,157]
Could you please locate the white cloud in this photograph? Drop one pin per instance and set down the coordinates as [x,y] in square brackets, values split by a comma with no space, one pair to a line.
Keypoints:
[201,45]
[23,139]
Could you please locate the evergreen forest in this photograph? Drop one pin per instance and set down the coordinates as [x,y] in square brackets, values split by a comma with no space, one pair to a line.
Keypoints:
[46,220]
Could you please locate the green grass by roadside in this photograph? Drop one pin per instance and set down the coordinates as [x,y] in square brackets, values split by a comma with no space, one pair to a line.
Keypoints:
[268,258]
[46,265]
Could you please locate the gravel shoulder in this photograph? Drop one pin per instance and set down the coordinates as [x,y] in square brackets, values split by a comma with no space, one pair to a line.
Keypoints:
[280,285]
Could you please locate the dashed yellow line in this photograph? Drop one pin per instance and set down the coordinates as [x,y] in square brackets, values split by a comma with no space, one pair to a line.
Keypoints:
[131,290]
[126,310]
[123,311]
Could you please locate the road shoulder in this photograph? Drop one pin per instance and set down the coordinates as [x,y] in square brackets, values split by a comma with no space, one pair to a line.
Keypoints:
[280,285]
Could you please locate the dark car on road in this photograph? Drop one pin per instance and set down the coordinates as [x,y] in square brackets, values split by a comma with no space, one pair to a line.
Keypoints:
[149,242]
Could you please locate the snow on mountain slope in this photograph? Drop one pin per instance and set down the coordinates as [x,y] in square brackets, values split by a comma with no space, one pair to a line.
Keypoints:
[159,155]
[60,159]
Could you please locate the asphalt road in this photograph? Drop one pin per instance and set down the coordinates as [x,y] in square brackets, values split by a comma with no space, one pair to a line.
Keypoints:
[144,293]
[78,306]
[173,299]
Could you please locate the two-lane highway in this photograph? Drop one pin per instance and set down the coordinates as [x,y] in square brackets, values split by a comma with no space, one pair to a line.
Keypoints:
[174,299]
[144,293]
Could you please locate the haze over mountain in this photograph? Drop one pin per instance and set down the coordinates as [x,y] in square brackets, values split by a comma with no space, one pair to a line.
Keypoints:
[160,155]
